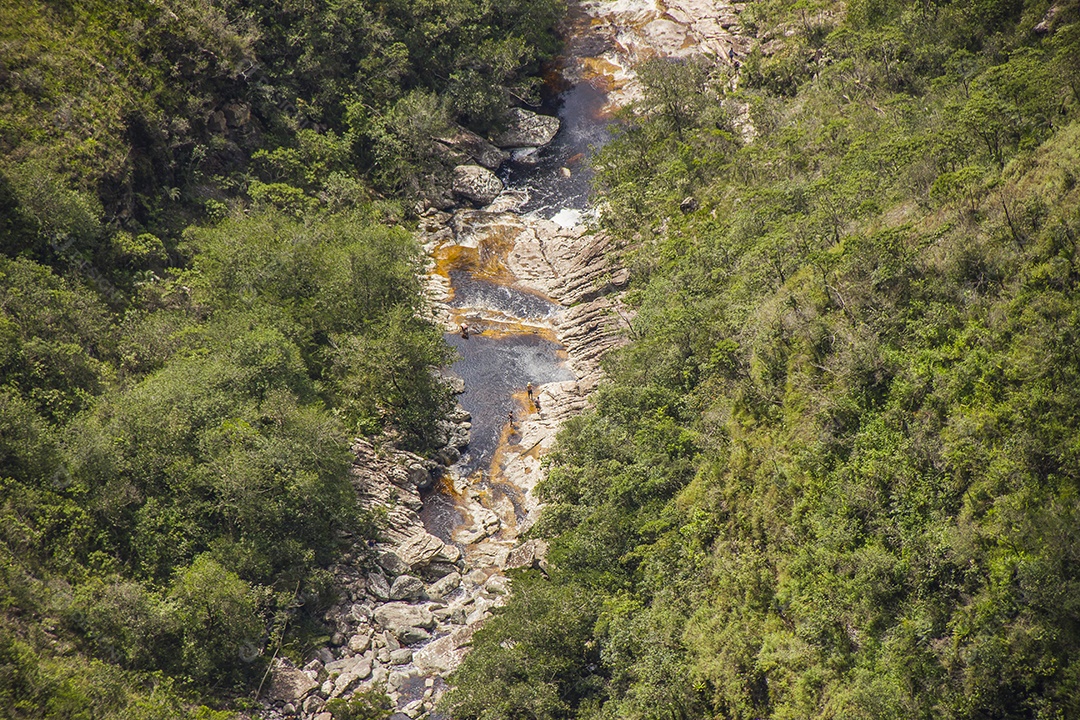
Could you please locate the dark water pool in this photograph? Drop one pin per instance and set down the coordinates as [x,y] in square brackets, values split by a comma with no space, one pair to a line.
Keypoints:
[493,369]
[473,292]
[441,515]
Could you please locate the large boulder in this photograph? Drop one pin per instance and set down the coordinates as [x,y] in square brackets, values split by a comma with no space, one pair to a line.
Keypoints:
[476,147]
[421,548]
[443,655]
[407,587]
[530,554]
[392,562]
[476,184]
[353,675]
[525,128]
[288,683]
[403,620]
[443,587]
[379,586]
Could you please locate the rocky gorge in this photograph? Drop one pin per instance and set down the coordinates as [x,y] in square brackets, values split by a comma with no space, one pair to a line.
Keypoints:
[529,293]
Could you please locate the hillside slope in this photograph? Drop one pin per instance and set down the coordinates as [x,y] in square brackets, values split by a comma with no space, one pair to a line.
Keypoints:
[834,474]
[208,289]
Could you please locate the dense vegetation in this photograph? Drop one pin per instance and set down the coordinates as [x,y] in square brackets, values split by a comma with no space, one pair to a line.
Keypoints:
[205,294]
[836,472]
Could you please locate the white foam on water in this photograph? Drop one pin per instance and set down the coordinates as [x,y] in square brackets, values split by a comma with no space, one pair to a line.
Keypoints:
[568,218]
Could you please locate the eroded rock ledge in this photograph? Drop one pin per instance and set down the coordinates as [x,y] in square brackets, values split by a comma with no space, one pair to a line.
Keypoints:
[408,606]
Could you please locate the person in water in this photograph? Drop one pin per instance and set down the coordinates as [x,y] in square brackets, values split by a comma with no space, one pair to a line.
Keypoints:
[464,331]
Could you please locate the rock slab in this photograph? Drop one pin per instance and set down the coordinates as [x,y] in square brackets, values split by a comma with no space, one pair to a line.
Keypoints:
[524,128]
[476,184]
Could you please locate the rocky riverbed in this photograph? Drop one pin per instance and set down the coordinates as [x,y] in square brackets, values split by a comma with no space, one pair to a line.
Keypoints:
[539,291]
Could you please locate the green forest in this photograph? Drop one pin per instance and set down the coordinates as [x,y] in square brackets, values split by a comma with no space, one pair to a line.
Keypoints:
[208,287]
[835,473]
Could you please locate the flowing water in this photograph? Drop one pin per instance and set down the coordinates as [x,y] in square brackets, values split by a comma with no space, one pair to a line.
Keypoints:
[559,182]
[511,343]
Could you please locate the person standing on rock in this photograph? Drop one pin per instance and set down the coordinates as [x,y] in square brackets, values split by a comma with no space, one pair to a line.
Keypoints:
[510,419]
[528,389]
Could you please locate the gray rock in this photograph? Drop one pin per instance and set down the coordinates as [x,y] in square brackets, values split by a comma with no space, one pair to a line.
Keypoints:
[339,666]
[360,612]
[530,554]
[327,688]
[448,553]
[407,587]
[402,656]
[315,670]
[419,475]
[288,684]
[397,680]
[429,481]
[476,184]
[481,611]
[475,579]
[360,642]
[443,655]
[421,548]
[392,563]
[439,198]
[288,709]
[476,147]
[441,588]
[413,635]
[498,585]
[436,569]
[313,705]
[379,586]
[343,684]
[448,455]
[525,128]
[389,641]
[454,615]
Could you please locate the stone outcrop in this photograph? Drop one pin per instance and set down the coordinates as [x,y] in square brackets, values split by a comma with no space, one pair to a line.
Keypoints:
[289,684]
[472,145]
[526,129]
[476,184]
